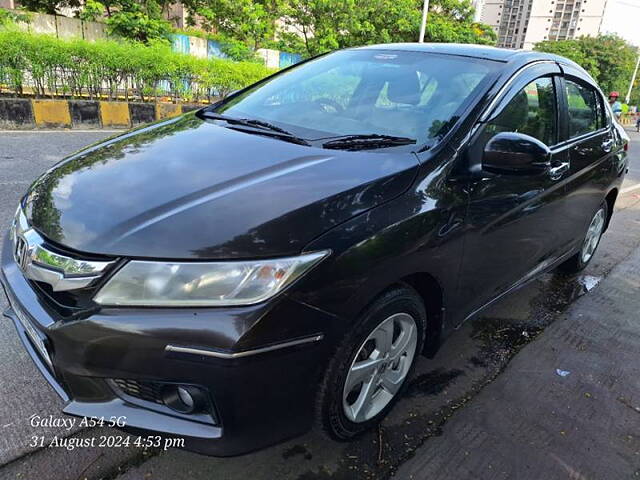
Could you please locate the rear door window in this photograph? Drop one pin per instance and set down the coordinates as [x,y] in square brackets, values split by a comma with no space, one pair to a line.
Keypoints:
[585,111]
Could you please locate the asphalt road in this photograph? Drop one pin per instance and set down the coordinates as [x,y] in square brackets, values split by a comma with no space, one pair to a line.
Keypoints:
[471,358]
[23,157]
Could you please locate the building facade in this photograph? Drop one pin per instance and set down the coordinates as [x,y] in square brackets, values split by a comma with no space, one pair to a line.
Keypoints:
[523,23]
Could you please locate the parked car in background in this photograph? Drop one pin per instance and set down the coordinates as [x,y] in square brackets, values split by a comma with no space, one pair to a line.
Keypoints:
[283,257]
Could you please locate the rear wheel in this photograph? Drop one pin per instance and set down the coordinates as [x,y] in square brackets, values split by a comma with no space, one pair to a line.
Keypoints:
[370,368]
[580,260]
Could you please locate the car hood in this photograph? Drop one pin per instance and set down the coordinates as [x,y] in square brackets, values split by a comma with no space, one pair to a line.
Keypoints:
[189,188]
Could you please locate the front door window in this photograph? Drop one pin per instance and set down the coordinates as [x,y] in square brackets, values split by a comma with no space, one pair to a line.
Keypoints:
[531,111]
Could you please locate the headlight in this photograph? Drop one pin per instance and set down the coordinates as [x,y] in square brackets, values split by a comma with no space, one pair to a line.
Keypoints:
[199,284]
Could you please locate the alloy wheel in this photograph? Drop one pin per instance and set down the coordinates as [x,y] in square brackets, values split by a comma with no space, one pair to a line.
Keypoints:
[592,238]
[380,367]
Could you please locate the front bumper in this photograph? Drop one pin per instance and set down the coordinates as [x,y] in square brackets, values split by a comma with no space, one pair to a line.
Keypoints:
[259,398]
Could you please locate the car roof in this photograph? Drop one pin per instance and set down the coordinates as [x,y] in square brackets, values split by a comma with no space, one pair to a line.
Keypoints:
[477,51]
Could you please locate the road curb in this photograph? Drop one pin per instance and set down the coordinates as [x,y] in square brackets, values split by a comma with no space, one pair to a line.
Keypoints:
[114,115]
[85,114]
[167,110]
[51,113]
[140,113]
[33,114]
[16,113]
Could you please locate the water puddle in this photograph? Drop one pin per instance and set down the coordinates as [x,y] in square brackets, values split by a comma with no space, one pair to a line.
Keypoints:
[433,383]
[500,338]
[560,291]
[297,450]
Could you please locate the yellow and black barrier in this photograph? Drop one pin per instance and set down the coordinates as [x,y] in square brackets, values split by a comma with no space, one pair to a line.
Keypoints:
[25,113]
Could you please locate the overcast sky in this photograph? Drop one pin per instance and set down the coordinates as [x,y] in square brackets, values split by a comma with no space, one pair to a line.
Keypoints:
[623,17]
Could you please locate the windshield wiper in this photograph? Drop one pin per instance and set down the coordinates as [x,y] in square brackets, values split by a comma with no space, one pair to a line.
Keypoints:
[250,122]
[367,141]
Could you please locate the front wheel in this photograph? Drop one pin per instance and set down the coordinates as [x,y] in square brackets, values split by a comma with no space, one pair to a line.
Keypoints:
[580,260]
[369,370]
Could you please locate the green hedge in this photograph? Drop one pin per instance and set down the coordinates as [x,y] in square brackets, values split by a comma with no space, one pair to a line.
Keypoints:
[111,69]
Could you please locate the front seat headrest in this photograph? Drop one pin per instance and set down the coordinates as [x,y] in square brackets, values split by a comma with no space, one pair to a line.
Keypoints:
[404,87]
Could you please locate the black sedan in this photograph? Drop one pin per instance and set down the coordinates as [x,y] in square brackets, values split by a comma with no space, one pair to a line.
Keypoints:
[283,257]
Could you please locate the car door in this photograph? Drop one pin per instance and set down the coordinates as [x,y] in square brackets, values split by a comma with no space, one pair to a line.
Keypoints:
[590,144]
[514,223]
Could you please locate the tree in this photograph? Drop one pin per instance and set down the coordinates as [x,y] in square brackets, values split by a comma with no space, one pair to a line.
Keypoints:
[91,11]
[316,26]
[452,21]
[635,93]
[9,19]
[142,22]
[251,21]
[609,59]
[305,26]
[49,6]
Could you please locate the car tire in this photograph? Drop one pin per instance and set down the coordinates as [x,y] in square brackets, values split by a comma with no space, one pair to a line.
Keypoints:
[590,243]
[380,352]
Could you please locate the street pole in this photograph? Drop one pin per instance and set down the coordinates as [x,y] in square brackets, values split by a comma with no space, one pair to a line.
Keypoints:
[423,26]
[633,80]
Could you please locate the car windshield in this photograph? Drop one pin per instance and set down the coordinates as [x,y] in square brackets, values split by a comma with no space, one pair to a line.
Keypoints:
[414,95]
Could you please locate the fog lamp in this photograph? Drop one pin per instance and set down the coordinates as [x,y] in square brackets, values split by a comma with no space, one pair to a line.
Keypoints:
[184,398]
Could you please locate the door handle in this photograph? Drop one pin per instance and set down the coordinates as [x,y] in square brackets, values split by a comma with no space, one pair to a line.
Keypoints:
[557,171]
[607,145]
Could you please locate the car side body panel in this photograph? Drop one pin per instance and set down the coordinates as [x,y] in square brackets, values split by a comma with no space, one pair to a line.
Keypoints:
[417,232]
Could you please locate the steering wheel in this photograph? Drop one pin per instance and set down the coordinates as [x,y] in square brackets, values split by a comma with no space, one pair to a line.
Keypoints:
[328,102]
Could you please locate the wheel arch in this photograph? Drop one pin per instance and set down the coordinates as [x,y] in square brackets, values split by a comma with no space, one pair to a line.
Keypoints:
[432,294]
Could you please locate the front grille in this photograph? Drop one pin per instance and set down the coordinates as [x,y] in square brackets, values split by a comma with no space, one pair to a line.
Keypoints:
[148,391]
[70,303]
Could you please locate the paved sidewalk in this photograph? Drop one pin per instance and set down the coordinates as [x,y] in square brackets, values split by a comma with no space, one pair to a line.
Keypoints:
[532,423]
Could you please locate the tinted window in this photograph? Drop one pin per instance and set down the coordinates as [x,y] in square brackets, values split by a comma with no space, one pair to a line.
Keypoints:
[410,94]
[531,111]
[584,109]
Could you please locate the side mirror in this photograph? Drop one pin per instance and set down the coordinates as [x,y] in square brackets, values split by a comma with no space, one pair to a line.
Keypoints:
[516,154]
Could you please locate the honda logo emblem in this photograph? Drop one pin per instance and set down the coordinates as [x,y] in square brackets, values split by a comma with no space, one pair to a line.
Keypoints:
[42,264]
[22,253]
